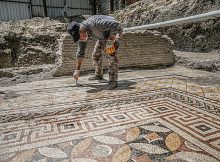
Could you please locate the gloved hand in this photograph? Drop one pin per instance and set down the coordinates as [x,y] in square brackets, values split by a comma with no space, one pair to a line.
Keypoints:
[110,47]
[76,74]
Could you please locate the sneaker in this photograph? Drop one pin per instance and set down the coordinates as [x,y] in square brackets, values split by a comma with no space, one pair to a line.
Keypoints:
[112,85]
[96,77]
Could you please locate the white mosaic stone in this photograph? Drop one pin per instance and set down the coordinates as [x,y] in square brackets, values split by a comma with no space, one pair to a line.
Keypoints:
[101,150]
[52,152]
[108,140]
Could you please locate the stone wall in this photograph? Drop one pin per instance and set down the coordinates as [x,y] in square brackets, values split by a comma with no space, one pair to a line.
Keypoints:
[138,49]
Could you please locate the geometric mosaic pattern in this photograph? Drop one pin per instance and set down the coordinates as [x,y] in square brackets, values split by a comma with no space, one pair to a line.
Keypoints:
[158,119]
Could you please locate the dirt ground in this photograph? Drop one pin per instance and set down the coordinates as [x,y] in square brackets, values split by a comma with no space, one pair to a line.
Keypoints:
[192,37]
[209,62]
[197,60]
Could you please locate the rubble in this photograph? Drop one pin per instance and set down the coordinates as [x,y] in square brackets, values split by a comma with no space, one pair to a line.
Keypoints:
[29,42]
[202,61]
[29,47]
[197,37]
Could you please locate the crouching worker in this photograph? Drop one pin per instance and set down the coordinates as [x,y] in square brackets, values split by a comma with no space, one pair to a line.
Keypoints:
[107,32]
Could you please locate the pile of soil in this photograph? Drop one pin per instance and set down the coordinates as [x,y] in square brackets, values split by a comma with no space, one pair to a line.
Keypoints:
[30,49]
[195,60]
[195,37]
[29,42]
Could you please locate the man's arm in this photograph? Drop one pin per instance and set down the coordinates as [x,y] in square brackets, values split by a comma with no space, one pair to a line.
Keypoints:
[113,43]
[81,47]
[80,55]
[76,73]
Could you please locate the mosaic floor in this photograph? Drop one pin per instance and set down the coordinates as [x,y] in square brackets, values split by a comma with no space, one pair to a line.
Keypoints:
[154,119]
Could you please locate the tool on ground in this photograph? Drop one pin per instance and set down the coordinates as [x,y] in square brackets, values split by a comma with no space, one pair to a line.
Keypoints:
[77,82]
[76,75]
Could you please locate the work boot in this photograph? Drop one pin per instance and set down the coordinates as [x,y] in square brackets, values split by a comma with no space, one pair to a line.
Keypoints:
[112,85]
[96,77]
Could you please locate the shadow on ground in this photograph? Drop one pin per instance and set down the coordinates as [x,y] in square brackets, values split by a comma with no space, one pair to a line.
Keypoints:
[122,85]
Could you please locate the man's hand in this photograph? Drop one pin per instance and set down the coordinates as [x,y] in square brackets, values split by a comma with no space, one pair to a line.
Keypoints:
[118,36]
[110,47]
[110,43]
[76,74]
